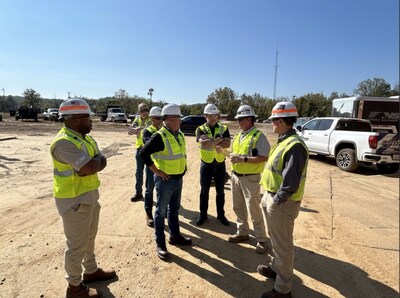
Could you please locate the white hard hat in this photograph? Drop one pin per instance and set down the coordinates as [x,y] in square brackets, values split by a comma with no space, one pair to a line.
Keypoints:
[211,109]
[245,111]
[284,109]
[74,106]
[171,109]
[155,112]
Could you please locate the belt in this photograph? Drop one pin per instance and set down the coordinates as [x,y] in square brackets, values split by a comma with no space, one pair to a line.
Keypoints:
[241,175]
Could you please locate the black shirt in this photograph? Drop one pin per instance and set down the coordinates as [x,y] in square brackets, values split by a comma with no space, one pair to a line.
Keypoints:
[156,144]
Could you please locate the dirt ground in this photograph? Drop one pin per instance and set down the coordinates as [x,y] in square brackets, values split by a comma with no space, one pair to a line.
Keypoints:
[346,236]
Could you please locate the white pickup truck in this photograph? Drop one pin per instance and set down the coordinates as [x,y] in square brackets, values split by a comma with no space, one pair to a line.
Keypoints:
[351,141]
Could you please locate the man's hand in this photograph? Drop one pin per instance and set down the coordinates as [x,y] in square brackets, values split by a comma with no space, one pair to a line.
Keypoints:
[236,159]
[159,173]
[135,130]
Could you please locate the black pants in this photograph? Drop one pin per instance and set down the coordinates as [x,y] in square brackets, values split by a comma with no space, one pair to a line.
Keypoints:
[207,172]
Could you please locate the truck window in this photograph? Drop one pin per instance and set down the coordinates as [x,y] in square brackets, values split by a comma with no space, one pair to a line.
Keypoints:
[353,126]
[325,124]
[311,125]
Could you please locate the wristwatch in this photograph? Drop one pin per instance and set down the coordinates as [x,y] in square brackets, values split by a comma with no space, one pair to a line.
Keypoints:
[245,159]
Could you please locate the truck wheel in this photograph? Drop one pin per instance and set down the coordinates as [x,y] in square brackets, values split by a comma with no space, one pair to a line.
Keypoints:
[346,160]
[387,168]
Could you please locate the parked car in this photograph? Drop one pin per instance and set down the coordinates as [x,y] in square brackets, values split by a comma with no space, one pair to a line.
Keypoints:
[351,141]
[50,114]
[190,123]
[113,114]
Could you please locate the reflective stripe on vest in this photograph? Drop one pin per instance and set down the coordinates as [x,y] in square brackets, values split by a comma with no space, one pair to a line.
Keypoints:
[141,123]
[209,154]
[67,183]
[244,148]
[172,160]
[271,178]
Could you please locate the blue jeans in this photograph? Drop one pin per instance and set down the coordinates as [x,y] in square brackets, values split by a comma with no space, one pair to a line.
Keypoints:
[139,172]
[207,172]
[148,196]
[167,206]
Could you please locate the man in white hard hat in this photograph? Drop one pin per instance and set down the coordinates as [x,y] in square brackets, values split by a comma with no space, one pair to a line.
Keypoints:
[165,155]
[138,124]
[156,123]
[250,150]
[77,160]
[284,180]
[209,135]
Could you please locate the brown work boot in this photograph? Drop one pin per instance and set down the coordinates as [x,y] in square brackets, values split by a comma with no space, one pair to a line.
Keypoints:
[99,275]
[82,291]
[149,219]
[236,238]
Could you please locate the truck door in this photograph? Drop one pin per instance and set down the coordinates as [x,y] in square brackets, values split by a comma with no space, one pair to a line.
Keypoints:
[320,137]
[307,132]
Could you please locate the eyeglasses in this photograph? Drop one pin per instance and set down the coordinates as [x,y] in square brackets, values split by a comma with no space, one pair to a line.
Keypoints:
[144,111]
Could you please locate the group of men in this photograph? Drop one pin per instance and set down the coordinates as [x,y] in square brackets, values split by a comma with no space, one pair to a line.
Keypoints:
[161,148]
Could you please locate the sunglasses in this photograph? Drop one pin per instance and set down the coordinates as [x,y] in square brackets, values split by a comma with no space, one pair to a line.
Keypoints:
[80,117]
[144,111]
[241,119]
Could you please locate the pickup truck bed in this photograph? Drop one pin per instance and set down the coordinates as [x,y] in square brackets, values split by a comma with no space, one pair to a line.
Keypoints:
[351,141]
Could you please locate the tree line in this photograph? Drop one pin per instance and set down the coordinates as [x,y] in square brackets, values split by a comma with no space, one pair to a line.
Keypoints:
[225,98]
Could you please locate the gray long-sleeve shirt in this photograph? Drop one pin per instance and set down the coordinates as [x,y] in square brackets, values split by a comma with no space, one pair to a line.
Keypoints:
[293,165]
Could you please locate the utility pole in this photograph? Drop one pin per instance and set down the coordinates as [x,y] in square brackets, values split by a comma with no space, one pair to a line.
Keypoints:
[276,69]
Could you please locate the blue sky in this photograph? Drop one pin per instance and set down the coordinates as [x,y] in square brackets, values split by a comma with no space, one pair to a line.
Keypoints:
[185,49]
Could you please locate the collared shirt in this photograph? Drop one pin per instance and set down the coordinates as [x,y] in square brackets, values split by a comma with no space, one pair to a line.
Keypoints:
[226,135]
[262,146]
[66,152]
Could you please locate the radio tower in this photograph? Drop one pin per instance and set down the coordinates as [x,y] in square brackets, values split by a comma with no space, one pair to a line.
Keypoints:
[276,68]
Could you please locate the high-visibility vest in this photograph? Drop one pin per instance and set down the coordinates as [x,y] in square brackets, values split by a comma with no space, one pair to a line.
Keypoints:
[209,154]
[271,178]
[244,148]
[172,160]
[141,123]
[67,183]
[151,129]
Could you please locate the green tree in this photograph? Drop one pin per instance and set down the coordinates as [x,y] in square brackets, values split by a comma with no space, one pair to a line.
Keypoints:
[395,91]
[12,103]
[32,98]
[313,105]
[225,99]
[376,87]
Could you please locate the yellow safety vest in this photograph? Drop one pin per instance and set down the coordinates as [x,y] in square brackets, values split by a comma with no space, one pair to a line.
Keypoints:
[208,155]
[67,183]
[141,123]
[172,160]
[244,148]
[271,178]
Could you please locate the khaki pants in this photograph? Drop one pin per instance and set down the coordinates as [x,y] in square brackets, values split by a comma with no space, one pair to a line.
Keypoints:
[280,221]
[80,228]
[246,199]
